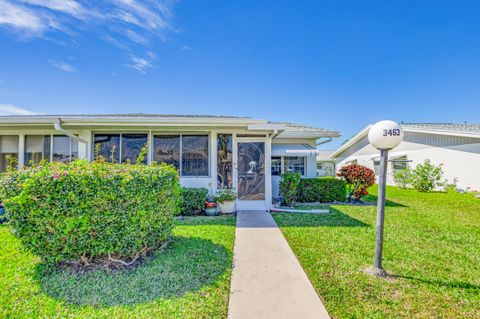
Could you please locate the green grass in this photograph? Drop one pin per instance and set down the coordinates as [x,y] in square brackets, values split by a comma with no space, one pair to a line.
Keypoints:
[432,247]
[311,207]
[189,279]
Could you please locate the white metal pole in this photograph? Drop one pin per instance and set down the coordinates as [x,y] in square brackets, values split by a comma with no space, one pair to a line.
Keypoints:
[382,183]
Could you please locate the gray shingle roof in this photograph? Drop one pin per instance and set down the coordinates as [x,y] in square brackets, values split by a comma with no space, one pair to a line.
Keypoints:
[293,127]
[444,127]
[143,115]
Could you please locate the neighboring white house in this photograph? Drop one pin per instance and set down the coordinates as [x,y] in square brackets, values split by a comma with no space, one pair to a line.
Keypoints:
[456,147]
[209,151]
[325,164]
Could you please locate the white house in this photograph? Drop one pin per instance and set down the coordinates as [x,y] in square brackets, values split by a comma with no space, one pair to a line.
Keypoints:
[209,151]
[454,146]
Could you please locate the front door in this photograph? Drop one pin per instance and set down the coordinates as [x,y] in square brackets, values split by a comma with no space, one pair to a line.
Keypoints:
[251,175]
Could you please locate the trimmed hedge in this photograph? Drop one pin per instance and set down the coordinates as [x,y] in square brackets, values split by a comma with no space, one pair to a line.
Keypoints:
[322,190]
[81,211]
[193,200]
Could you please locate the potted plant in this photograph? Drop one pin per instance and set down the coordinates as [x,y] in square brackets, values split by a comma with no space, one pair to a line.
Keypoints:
[226,200]
[211,208]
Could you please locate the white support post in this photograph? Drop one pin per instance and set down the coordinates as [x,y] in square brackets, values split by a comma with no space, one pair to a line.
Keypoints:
[21,150]
[213,161]
[268,173]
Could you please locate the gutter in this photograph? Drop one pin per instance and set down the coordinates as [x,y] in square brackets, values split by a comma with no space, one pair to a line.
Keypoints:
[58,126]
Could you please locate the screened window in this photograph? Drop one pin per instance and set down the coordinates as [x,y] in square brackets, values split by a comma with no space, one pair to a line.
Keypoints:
[119,148]
[276,166]
[166,149]
[194,155]
[8,152]
[294,164]
[224,161]
[132,145]
[107,146]
[37,148]
[400,163]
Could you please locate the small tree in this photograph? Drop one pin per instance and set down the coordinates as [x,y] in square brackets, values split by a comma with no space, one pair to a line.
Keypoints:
[403,178]
[288,186]
[427,176]
[358,178]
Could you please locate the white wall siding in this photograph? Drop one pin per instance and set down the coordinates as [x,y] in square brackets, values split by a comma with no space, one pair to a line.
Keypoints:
[459,156]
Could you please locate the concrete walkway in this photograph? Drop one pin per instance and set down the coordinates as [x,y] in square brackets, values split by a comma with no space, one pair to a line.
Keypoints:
[267,279]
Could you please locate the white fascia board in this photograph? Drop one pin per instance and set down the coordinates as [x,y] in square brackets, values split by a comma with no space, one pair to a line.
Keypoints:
[266,127]
[439,132]
[140,121]
[352,141]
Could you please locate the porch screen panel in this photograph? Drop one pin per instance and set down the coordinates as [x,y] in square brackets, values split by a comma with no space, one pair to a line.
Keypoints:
[224,161]
[251,171]
[166,149]
[37,148]
[61,149]
[132,145]
[8,151]
[195,155]
[107,146]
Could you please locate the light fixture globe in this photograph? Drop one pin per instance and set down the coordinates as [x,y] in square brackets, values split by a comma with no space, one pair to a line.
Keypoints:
[385,135]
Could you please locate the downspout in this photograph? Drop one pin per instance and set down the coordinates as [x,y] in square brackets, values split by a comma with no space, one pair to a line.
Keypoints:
[58,126]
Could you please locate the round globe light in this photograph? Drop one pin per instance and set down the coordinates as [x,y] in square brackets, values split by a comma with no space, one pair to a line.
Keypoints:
[385,135]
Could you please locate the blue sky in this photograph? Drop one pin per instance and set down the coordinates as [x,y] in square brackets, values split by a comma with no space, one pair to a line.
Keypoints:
[334,64]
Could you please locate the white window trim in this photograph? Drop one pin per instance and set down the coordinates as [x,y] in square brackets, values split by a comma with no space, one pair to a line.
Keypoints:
[51,145]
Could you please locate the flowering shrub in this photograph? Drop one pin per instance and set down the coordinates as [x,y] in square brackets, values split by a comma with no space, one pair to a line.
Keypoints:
[81,211]
[358,178]
[426,177]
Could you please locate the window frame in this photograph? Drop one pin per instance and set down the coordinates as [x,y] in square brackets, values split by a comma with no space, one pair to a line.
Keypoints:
[52,139]
[180,135]
[282,165]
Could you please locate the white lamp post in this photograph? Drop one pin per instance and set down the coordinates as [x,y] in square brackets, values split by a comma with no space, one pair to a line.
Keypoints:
[384,136]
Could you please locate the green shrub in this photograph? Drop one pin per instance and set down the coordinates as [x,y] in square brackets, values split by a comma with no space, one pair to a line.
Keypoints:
[193,200]
[322,190]
[225,195]
[288,186]
[426,177]
[84,211]
[403,178]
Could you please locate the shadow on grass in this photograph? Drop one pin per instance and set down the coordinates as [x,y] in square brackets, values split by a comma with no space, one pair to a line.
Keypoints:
[223,220]
[448,284]
[335,218]
[186,266]
[373,199]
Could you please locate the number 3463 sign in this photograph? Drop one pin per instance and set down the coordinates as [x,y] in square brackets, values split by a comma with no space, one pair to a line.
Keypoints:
[385,135]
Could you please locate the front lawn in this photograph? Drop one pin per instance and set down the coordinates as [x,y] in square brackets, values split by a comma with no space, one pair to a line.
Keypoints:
[432,249]
[189,279]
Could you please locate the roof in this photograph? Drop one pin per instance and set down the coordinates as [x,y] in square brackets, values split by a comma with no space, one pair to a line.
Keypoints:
[124,115]
[287,130]
[301,131]
[451,129]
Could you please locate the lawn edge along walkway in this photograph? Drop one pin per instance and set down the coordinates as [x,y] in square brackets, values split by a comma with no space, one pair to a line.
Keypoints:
[267,279]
